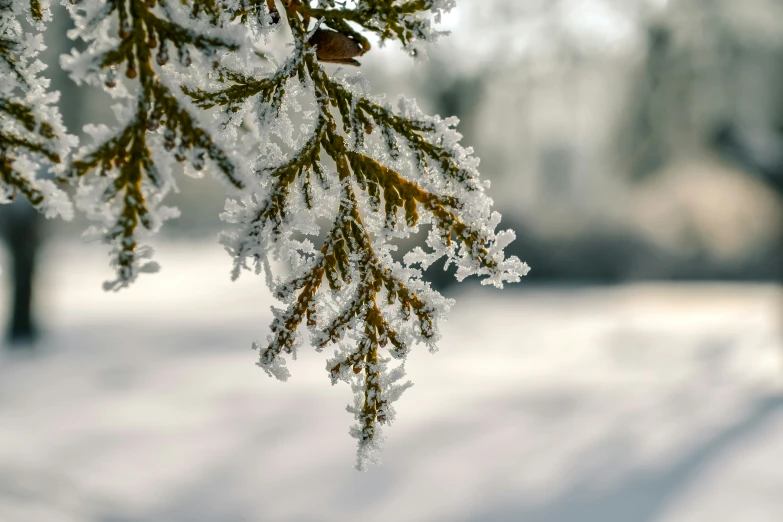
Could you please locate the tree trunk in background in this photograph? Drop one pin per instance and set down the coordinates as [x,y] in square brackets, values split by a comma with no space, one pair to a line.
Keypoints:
[21,231]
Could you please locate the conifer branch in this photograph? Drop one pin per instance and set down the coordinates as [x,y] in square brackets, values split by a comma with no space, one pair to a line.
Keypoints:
[127,158]
[382,305]
[370,171]
[31,133]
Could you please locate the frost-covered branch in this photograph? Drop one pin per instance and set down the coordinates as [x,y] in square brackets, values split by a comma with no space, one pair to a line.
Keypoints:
[326,196]
[381,173]
[32,136]
[134,172]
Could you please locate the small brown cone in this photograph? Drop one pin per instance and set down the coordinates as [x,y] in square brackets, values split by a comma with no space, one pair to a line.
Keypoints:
[334,47]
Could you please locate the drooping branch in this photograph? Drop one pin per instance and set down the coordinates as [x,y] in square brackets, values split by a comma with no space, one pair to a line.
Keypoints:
[32,137]
[369,302]
[126,158]
[333,173]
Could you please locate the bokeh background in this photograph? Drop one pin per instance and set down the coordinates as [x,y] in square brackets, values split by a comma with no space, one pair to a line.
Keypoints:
[636,146]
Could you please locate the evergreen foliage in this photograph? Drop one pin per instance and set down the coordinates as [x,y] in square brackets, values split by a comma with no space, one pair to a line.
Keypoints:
[31,131]
[321,175]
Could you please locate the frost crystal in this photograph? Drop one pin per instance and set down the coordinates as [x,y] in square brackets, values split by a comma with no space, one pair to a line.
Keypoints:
[321,175]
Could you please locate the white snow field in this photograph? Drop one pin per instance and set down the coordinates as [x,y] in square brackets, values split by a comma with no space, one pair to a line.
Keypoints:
[610,404]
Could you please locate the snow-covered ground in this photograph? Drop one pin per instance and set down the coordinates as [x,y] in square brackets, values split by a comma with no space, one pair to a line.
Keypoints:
[620,404]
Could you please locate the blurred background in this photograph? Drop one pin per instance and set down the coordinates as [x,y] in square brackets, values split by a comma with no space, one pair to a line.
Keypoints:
[636,147]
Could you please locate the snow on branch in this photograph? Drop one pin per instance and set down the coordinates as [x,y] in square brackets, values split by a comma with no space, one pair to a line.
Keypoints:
[326,196]
[32,136]
[133,167]
[374,173]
